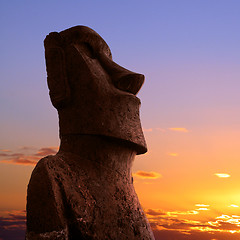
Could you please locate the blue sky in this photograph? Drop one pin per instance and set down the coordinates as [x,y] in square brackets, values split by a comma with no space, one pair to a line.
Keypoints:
[186,49]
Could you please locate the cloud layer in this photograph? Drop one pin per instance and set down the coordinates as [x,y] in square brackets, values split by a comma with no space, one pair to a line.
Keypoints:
[147,175]
[23,157]
[177,225]
[175,129]
[222,175]
[12,225]
[179,129]
[165,225]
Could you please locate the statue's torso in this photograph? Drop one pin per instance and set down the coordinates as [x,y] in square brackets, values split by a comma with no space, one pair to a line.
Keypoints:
[75,199]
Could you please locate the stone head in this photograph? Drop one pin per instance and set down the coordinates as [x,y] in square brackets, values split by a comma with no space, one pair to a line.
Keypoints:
[92,94]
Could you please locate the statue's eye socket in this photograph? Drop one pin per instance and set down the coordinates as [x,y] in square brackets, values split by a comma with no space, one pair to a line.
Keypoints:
[85,49]
[89,50]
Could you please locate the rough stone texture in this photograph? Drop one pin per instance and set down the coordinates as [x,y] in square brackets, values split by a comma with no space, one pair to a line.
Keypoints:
[86,191]
[93,94]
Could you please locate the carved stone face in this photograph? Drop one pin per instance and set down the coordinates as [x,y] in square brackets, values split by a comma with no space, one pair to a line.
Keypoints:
[93,95]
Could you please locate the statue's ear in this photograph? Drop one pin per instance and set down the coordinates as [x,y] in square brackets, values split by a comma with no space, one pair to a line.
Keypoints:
[59,90]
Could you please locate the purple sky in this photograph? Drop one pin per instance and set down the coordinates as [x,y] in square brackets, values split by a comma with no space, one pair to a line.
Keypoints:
[188,51]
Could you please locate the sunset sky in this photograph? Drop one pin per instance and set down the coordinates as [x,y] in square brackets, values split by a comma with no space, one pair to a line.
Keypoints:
[189,51]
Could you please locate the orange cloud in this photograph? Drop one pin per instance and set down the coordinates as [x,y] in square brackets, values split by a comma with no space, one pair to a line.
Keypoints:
[148,130]
[201,205]
[147,175]
[3,154]
[233,205]
[222,175]
[5,150]
[46,151]
[173,154]
[177,225]
[203,209]
[12,224]
[21,158]
[25,160]
[154,212]
[179,129]
[11,155]
[177,213]
[27,148]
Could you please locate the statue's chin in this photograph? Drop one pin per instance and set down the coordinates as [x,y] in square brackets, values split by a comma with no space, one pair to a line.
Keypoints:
[117,118]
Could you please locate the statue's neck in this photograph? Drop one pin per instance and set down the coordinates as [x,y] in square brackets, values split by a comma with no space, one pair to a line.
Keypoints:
[112,154]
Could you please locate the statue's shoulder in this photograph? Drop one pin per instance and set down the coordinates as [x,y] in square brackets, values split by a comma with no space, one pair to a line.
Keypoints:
[44,170]
[44,202]
[48,163]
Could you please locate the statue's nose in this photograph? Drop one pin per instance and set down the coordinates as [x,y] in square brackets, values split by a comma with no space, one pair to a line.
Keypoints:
[122,78]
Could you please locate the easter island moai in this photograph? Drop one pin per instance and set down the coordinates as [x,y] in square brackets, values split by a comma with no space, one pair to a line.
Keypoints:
[86,190]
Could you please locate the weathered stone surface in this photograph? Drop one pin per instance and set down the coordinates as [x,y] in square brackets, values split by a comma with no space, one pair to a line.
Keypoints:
[86,191]
[93,94]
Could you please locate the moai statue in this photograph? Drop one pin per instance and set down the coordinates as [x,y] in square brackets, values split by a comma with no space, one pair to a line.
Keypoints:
[86,190]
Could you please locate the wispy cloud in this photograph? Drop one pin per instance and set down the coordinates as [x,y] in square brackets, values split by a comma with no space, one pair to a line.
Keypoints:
[201,205]
[176,129]
[147,130]
[147,175]
[222,175]
[173,154]
[155,212]
[46,151]
[11,155]
[203,209]
[27,148]
[154,129]
[12,224]
[5,150]
[179,129]
[26,158]
[233,205]
[177,213]
[178,224]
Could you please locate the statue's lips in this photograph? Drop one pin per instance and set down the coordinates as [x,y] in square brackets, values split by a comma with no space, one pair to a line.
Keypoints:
[129,97]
